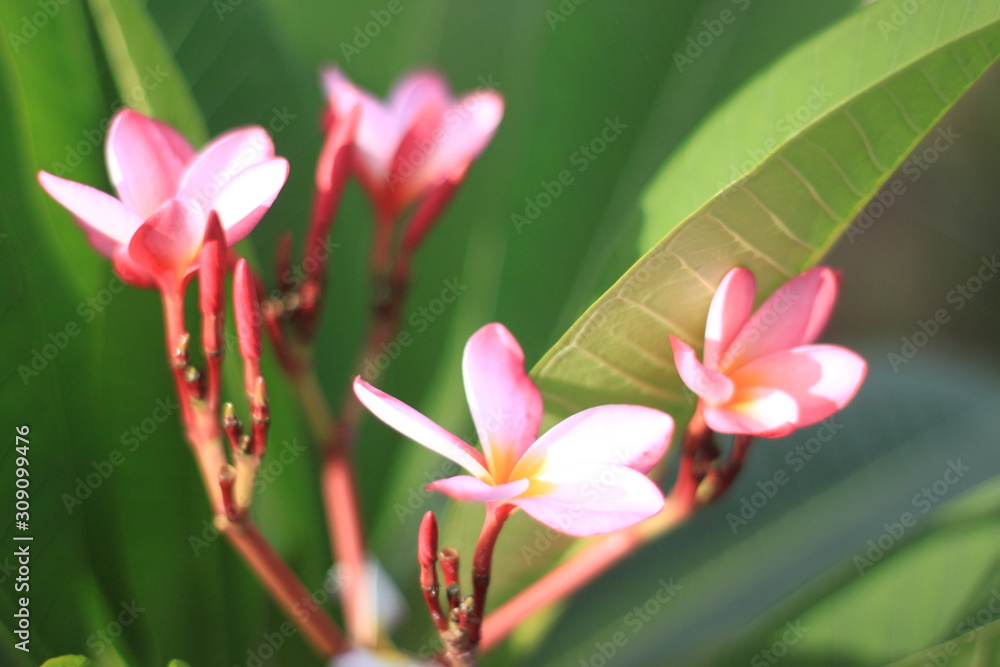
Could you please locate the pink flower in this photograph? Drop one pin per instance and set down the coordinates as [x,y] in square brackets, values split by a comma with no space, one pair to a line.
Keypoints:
[584,476]
[155,228]
[761,374]
[420,138]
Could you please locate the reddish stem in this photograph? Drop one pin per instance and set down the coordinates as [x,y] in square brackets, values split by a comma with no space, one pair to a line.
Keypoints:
[697,453]
[200,426]
[427,557]
[340,499]
[285,587]
[482,566]
[449,568]
[579,570]
[722,478]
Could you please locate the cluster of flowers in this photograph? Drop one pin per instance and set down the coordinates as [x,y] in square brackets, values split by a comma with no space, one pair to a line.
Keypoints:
[179,211]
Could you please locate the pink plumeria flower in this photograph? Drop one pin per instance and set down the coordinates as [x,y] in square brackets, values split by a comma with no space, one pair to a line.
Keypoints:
[418,139]
[761,374]
[584,476]
[155,228]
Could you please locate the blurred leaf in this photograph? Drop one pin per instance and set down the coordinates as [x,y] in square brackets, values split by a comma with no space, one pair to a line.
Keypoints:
[144,69]
[817,134]
[139,57]
[49,272]
[68,661]
[771,553]
[977,648]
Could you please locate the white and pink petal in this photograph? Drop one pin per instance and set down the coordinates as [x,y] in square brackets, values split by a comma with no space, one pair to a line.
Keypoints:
[821,379]
[761,411]
[466,487]
[246,198]
[506,405]
[420,429]
[107,221]
[794,315]
[630,435]
[591,498]
[146,160]
[731,307]
[168,243]
[221,161]
[710,385]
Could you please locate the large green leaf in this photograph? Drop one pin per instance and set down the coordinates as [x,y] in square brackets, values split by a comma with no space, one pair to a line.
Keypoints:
[979,647]
[144,70]
[770,181]
[771,553]
[51,278]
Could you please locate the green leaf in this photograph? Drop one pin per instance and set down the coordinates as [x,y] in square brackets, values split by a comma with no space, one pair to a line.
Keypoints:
[816,135]
[68,661]
[145,73]
[763,557]
[979,647]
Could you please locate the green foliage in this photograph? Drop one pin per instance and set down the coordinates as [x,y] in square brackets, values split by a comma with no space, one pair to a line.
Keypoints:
[707,160]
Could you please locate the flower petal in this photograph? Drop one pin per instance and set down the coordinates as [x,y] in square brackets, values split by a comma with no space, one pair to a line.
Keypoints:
[820,378]
[420,429]
[730,309]
[762,411]
[378,134]
[146,159]
[415,91]
[591,498]
[129,271]
[408,176]
[630,435]
[221,161]
[470,125]
[246,198]
[710,385]
[107,221]
[506,405]
[466,487]
[794,315]
[168,243]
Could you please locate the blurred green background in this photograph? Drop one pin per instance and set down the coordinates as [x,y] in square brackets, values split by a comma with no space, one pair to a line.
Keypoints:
[138,538]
